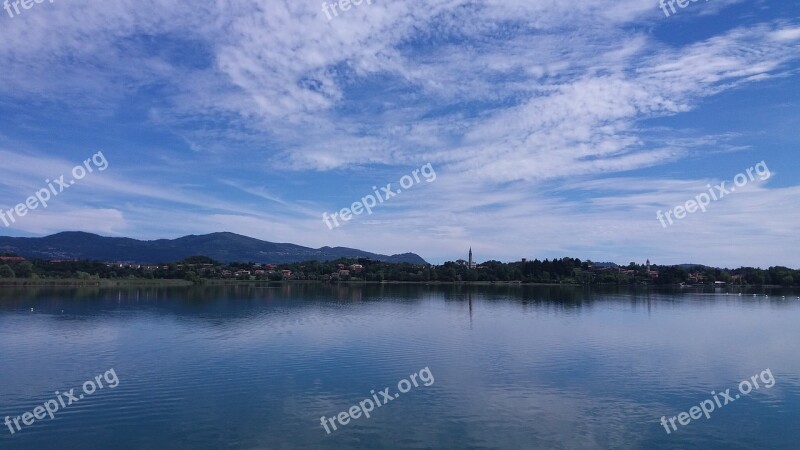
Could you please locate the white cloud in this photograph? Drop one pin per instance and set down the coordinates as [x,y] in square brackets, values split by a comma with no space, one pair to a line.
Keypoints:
[513,101]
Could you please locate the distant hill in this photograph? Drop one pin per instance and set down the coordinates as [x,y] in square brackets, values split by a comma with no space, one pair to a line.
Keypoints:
[224,247]
[605,264]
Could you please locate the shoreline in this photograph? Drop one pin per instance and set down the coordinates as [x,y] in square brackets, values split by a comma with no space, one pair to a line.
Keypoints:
[73,282]
[106,283]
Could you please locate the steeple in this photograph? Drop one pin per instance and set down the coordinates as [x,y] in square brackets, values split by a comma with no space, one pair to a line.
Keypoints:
[469,265]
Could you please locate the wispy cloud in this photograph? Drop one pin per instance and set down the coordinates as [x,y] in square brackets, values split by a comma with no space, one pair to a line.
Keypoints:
[551,124]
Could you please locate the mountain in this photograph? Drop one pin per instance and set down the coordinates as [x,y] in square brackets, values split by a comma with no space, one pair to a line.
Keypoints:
[224,247]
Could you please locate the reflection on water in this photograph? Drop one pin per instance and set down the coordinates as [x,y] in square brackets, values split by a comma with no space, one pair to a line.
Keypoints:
[256,366]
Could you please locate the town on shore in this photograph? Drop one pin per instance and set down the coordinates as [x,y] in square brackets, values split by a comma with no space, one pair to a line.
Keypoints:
[201,269]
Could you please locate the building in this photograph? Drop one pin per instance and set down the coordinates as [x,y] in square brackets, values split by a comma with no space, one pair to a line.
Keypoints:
[12,259]
[651,273]
[696,277]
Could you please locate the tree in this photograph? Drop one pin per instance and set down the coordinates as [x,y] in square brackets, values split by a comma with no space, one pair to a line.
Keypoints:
[200,260]
[191,275]
[24,269]
[6,272]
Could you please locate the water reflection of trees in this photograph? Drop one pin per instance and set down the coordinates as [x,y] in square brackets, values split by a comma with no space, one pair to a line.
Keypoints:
[240,299]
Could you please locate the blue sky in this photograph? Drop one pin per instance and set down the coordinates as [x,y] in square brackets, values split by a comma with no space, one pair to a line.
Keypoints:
[555,128]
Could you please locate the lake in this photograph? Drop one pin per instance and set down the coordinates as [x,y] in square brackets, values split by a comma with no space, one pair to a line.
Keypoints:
[480,367]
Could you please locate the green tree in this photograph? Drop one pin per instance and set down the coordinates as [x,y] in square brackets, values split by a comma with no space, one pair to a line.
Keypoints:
[24,269]
[200,260]
[6,272]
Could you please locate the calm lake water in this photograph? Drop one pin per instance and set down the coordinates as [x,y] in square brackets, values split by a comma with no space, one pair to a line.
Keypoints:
[512,367]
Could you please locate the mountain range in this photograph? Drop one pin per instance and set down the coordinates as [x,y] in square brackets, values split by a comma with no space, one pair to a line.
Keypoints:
[223,247]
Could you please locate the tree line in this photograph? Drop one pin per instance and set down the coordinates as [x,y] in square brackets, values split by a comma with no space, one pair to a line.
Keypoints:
[559,270]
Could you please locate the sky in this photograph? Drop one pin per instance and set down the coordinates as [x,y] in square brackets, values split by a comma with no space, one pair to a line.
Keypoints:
[538,128]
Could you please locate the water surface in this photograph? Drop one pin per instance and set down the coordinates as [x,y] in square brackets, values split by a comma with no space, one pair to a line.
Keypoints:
[256,366]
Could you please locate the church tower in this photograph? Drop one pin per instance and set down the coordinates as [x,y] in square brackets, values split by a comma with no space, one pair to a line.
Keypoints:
[469,265]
